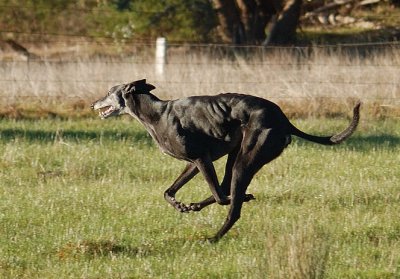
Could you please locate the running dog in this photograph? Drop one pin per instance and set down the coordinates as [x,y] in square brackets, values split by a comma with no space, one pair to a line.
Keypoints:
[200,129]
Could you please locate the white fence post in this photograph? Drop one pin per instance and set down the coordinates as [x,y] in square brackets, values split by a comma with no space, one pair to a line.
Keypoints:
[161,55]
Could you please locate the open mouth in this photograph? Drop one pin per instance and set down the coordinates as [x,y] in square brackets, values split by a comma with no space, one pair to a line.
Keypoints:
[106,111]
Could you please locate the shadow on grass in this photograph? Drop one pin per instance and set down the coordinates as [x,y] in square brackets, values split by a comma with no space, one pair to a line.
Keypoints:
[363,143]
[384,140]
[100,248]
[356,142]
[72,135]
[109,248]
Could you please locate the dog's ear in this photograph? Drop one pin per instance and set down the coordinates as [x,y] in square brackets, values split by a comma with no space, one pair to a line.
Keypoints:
[142,86]
[138,86]
[129,88]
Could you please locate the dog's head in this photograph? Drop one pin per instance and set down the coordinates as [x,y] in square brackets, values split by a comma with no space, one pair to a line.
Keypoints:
[114,103]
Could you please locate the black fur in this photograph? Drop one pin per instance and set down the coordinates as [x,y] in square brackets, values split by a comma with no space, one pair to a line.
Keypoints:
[252,131]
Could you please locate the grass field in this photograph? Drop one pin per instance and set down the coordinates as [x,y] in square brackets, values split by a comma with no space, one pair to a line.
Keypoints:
[84,199]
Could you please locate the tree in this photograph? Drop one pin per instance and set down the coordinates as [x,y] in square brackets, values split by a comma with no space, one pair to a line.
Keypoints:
[245,21]
[179,20]
[283,30]
[232,21]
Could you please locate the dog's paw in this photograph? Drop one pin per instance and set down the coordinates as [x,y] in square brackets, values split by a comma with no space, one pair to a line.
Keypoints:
[248,197]
[181,207]
[195,206]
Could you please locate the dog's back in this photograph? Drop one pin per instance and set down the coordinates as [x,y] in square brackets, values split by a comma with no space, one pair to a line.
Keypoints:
[217,115]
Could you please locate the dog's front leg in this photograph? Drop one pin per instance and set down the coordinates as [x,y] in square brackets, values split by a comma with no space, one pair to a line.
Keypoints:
[225,185]
[188,173]
[206,167]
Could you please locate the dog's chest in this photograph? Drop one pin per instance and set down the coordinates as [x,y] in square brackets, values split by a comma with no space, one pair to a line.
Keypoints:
[168,140]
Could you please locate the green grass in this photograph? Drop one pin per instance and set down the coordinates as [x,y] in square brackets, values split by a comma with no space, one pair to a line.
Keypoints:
[84,199]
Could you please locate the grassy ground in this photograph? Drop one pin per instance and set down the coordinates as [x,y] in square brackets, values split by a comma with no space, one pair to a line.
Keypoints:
[84,199]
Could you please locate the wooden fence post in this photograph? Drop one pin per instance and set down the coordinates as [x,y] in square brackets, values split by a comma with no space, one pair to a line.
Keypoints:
[161,55]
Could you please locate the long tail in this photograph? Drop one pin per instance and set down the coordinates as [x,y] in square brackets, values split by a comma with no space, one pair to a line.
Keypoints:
[335,139]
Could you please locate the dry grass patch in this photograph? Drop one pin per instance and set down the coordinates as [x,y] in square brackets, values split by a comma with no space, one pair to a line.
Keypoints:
[321,82]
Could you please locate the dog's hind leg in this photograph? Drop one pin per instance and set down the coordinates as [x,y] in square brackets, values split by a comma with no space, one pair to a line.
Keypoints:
[258,148]
[188,173]
[240,181]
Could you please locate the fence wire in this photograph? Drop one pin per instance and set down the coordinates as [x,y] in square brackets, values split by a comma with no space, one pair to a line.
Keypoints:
[285,72]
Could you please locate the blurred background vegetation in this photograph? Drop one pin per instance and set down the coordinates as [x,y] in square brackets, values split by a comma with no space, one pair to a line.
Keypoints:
[227,21]
[120,19]
[61,54]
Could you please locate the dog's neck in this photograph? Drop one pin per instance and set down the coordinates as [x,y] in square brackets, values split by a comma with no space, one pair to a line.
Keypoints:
[145,107]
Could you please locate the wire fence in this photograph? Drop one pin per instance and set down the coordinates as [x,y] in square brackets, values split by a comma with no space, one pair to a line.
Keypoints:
[55,72]
[61,38]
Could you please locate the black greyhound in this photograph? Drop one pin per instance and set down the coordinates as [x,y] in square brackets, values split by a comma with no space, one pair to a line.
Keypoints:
[201,129]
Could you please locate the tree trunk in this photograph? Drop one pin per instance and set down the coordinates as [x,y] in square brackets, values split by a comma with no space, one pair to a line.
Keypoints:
[283,31]
[230,27]
[248,16]
[245,21]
